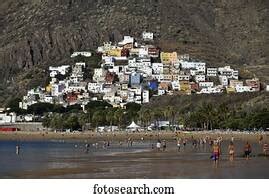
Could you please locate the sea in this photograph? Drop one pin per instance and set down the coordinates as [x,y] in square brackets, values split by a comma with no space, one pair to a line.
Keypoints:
[72,159]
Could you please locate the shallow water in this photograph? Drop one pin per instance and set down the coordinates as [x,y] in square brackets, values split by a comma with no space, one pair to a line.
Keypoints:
[59,159]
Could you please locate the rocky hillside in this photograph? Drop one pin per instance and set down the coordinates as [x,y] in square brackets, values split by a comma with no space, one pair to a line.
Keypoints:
[38,33]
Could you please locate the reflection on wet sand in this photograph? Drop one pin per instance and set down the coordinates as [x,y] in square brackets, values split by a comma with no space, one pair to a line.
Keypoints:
[141,160]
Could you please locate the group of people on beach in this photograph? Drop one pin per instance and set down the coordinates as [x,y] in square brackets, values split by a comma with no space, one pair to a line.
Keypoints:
[215,145]
[216,150]
[161,145]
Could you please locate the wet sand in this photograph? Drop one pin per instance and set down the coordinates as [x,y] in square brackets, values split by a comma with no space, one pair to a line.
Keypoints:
[142,161]
[150,163]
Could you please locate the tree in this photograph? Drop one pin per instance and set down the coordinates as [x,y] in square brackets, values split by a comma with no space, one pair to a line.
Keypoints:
[97,118]
[110,117]
[40,108]
[13,105]
[72,122]
[100,105]
[145,116]
[56,121]
[46,121]
[119,116]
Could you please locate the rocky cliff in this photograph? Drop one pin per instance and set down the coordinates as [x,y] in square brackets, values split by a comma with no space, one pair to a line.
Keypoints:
[38,33]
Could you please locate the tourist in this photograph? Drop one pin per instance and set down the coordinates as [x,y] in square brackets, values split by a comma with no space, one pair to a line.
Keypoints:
[18,149]
[158,145]
[184,143]
[265,149]
[87,148]
[260,139]
[216,153]
[104,145]
[164,145]
[232,139]
[247,150]
[231,151]
[178,145]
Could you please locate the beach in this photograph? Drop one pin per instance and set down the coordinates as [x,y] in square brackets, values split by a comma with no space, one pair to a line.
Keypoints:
[122,136]
[62,155]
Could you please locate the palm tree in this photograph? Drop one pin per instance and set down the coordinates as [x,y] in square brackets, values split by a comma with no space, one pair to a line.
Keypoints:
[145,116]
[118,116]
[110,117]
[207,114]
[97,118]
[157,114]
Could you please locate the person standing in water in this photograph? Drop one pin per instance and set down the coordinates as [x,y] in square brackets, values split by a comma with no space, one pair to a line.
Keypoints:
[158,145]
[247,150]
[231,151]
[178,145]
[216,153]
[265,149]
[164,145]
[260,139]
[18,149]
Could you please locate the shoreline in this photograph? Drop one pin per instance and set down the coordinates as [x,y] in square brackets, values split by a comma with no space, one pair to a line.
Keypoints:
[122,136]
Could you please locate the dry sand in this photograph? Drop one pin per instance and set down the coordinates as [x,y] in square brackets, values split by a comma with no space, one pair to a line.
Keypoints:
[121,136]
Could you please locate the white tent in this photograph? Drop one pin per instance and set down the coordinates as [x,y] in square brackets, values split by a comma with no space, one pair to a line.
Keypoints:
[133,127]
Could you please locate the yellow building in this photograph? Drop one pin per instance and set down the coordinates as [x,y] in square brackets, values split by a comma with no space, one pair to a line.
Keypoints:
[185,86]
[168,58]
[230,90]
[48,88]
[114,52]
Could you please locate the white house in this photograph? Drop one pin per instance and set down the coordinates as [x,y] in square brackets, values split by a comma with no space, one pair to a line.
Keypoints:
[147,35]
[241,89]
[157,68]
[206,84]
[175,85]
[143,52]
[146,71]
[212,72]
[187,65]
[200,78]
[223,80]
[193,72]
[58,70]
[99,74]
[109,96]
[94,87]
[126,40]
[201,67]
[158,77]
[84,53]
[210,90]
[161,92]
[229,72]
[145,96]
[7,118]
[77,87]
[48,99]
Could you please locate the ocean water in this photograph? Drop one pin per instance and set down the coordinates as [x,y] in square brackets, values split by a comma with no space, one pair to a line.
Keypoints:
[68,159]
[42,155]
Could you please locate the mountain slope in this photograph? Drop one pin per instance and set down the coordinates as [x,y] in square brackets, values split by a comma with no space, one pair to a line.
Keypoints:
[38,33]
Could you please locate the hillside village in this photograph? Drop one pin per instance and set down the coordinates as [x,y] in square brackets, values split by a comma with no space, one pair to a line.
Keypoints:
[131,71]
